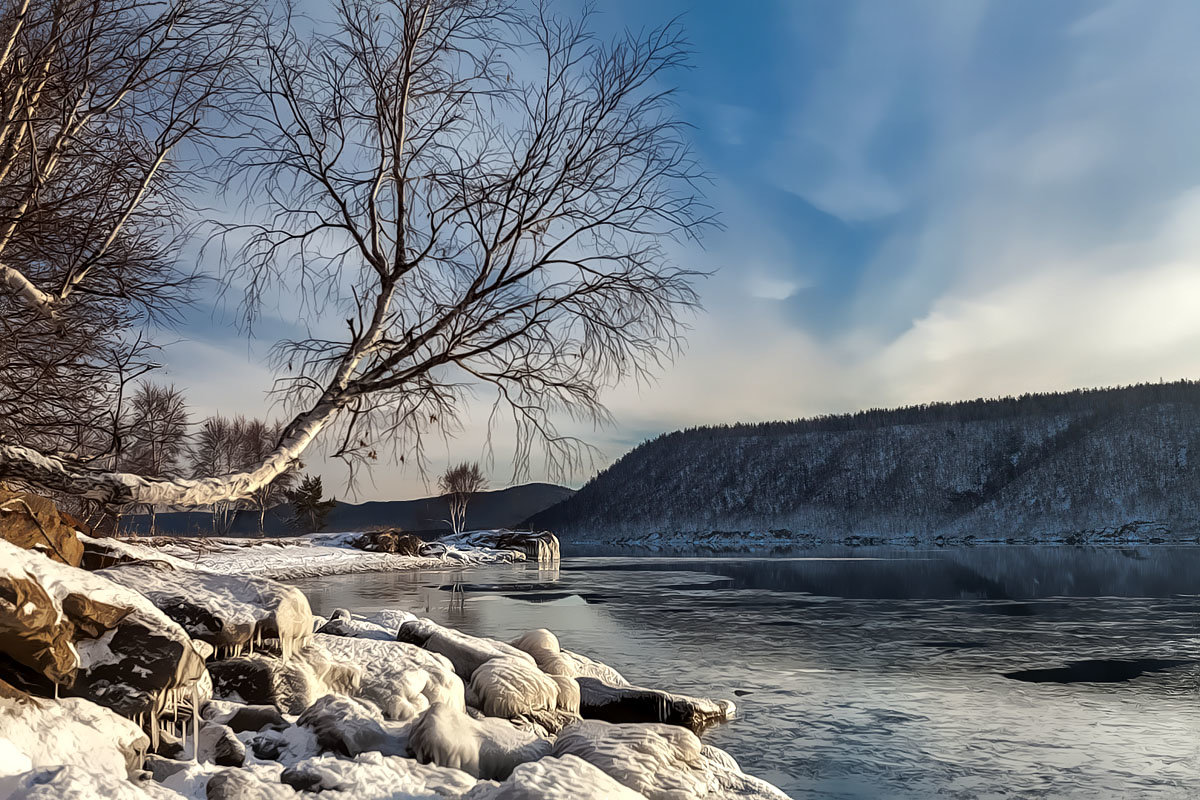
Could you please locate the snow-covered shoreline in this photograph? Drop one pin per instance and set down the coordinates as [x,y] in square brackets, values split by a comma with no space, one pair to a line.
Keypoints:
[309,556]
[200,677]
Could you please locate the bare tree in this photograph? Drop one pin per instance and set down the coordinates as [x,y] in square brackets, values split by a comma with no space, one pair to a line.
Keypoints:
[155,436]
[459,484]
[256,440]
[485,194]
[97,102]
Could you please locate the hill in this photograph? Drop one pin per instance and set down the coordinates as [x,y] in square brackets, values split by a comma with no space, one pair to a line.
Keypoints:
[503,508]
[1027,466]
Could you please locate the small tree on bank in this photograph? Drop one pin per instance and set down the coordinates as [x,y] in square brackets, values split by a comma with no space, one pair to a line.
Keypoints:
[308,509]
[459,484]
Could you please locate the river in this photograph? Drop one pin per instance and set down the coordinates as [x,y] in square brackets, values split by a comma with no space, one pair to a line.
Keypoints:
[1005,671]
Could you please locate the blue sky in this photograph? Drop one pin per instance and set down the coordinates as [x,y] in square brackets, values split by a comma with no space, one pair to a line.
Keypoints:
[922,201]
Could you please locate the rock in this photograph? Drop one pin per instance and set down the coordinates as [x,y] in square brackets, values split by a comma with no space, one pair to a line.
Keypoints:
[489,748]
[346,726]
[402,679]
[393,540]
[219,745]
[80,783]
[287,746]
[373,776]
[550,778]
[343,624]
[169,745]
[539,546]
[467,653]
[598,700]
[255,718]
[584,667]
[71,731]
[32,522]
[290,686]
[233,784]
[94,638]
[543,646]
[661,762]
[161,767]
[509,687]
[230,612]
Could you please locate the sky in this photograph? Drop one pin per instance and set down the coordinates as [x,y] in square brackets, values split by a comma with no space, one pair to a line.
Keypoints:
[921,201]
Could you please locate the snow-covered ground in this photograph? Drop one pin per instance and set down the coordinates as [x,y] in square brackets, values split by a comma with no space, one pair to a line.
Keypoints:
[306,556]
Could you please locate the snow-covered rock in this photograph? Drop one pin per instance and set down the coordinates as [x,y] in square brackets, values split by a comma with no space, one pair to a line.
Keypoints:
[236,784]
[96,638]
[230,612]
[37,733]
[79,783]
[662,762]
[373,776]
[539,546]
[511,687]
[553,778]
[348,727]
[467,653]
[488,748]
[290,684]
[343,623]
[402,679]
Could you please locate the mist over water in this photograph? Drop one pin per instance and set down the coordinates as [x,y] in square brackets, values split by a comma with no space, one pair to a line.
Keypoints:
[861,673]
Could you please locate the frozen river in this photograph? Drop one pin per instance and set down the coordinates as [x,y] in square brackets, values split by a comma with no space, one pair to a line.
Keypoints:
[971,672]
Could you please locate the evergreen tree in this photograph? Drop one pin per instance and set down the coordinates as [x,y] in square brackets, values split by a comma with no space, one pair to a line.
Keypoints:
[308,509]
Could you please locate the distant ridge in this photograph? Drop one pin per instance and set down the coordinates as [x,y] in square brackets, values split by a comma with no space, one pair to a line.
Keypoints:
[1021,466]
[503,508]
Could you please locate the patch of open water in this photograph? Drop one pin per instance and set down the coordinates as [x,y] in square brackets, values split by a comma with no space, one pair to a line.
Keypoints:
[984,672]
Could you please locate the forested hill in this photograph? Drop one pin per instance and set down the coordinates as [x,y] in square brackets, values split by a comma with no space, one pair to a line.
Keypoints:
[1014,466]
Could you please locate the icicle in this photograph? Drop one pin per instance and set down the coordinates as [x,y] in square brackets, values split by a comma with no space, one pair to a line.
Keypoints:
[154,738]
[56,690]
[196,721]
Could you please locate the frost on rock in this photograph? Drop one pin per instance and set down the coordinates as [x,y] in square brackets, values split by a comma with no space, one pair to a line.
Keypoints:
[95,638]
[373,776]
[662,762]
[232,613]
[71,731]
[489,748]
[553,778]
[402,679]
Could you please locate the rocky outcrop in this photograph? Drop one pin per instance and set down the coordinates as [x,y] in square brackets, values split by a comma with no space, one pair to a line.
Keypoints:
[91,637]
[394,541]
[231,612]
[539,546]
[32,522]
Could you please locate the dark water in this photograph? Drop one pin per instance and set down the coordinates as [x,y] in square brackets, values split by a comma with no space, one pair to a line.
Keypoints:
[961,673]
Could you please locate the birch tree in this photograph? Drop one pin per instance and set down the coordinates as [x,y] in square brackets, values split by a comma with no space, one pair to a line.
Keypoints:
[485,195]
[459,484]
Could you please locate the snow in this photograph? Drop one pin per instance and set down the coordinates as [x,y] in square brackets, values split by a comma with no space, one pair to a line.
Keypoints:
[311,556]
[78,783]
[486,748]
[373,776]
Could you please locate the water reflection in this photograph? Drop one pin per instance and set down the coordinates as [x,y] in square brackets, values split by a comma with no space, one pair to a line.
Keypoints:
[974,672]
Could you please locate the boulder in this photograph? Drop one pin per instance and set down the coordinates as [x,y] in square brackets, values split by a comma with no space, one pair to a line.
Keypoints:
[255,718]
[661,762]
[510,687]
[230,612]
[92,637]
[599,700]
[71,731]
[489,748]
[343,623]
[346,726]
[550,778]
[219,745]
[290,685]
[393,540]
[374,776]
[467,653]
[235,784]
[401,679]
[32,522]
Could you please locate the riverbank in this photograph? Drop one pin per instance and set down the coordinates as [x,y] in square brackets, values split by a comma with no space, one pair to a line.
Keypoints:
[180,670]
